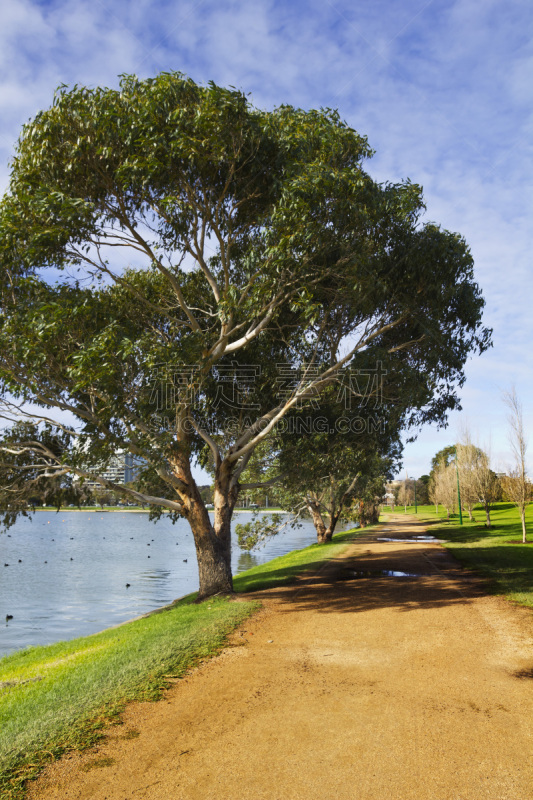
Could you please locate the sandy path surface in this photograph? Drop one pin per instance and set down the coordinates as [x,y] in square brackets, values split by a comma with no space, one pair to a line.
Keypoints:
[369,687]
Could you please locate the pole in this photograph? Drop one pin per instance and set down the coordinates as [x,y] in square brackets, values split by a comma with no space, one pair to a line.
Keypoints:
[458,489]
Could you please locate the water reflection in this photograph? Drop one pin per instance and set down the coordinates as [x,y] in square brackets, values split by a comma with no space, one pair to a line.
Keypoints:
[158,575]
[348,575]
[246,561]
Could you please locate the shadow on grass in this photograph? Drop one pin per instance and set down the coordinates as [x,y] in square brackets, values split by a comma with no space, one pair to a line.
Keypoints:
[475,532]
[310,559]
[510,567]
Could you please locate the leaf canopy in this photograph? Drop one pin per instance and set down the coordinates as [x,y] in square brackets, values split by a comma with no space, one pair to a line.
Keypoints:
[166,226]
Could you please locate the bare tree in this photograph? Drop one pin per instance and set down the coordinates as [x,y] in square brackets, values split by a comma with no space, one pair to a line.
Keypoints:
[444,487]
[406,493]
[486,483]
[468,456]
[516,484]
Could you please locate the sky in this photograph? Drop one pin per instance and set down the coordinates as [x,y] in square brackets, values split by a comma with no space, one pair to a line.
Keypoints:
[442,90]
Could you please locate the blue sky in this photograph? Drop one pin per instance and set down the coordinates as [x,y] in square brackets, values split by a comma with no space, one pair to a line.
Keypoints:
[443,91]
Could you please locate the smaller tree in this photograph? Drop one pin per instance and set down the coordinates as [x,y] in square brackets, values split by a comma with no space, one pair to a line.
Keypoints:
[444,491]
[439,484]
[406,493]
[422,490]
[468,460]
[316,469]
[516,484]
[486,483]
[370,494]
[488,487]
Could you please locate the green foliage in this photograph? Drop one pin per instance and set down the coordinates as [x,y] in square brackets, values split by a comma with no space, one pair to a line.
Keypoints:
[251,238]
[445,456]
[253,534]
[328,466]
[422,489]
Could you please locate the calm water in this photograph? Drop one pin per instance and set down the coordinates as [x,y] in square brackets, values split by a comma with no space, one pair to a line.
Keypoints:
[68,572]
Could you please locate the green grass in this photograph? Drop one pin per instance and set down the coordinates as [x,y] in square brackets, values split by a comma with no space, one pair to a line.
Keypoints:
[507,566]
[62,696]
[422,512]
[498,554]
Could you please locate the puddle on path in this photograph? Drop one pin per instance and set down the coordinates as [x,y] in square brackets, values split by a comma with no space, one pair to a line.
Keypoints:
[351,574]
[415,540]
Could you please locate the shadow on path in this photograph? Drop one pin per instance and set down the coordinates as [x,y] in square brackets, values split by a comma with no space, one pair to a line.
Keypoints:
[427,576]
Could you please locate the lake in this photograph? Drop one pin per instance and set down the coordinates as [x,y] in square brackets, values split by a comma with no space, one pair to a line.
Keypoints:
[68,572]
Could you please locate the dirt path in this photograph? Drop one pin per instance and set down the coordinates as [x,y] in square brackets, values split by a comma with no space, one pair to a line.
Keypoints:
[343,688]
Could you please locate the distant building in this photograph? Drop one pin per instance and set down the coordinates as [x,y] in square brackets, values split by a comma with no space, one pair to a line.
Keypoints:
[121,468]
[132,466]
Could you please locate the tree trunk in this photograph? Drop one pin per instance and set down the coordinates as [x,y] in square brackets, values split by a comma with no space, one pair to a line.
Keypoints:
[362,517]
[213,552]
[323,534]
[330,530]
[328,536]
[487,514]
[212,540]
[523,518]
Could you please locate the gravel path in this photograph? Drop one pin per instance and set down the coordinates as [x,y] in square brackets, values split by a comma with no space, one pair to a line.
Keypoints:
[348,686]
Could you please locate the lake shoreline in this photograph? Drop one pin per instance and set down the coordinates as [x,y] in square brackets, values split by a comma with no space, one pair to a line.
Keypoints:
[143,657]
[120,510]
[89,571]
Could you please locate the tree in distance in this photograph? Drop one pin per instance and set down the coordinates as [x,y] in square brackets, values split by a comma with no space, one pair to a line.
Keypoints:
[470,460]
[165,247]
[443,484]
[516,483]
[405,493]
[422,490]
[478,483]
[330,468]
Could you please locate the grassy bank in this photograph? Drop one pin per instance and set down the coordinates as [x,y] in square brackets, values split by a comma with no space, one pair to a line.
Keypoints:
[283,570]
[498,553]
[56,697]
[64,695]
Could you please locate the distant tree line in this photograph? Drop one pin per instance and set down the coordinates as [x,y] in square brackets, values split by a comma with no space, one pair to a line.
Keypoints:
[465,470]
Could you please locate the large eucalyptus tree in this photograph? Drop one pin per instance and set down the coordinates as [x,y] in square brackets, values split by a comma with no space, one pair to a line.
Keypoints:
[164,248]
